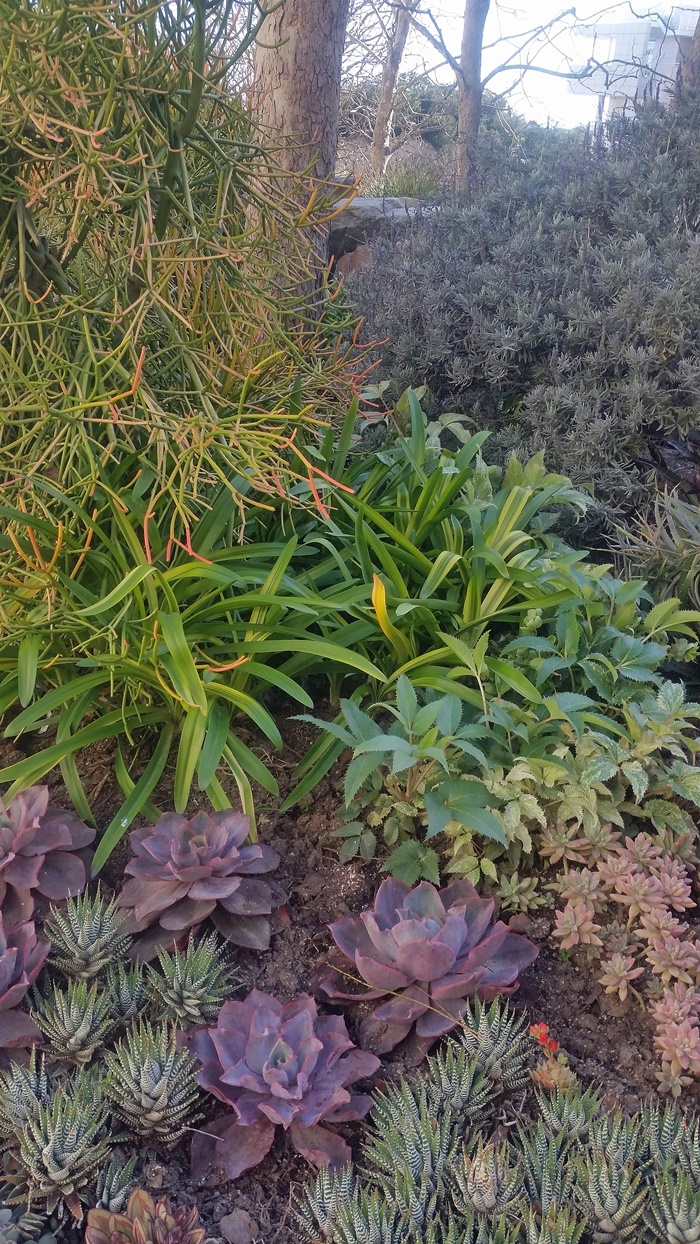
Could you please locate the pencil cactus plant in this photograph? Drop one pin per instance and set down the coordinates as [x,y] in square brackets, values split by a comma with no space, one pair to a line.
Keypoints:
[429,950]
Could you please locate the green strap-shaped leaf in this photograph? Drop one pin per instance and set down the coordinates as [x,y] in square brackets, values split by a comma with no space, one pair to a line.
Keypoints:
[189,750]
[27,662]
[127,585]
[136,800]
[182,669]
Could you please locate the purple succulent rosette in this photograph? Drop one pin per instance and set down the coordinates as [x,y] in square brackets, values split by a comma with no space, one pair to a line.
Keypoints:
[42,849]
[277,1065]
[22,956]
[430,949]
[184,871]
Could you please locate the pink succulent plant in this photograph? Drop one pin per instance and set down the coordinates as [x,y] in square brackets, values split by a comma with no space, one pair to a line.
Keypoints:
[618,973]
[575,925]
[639,894]
[657,925]
[277,1065]
[674,881]
[673,959]
[42,850]
[22,956]
[615,867]
[430,949]
[581,883]
[642,851]
[184,871]
[676,1004]
[679,1045]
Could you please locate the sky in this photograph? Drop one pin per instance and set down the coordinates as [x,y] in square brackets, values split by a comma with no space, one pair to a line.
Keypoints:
[541,97]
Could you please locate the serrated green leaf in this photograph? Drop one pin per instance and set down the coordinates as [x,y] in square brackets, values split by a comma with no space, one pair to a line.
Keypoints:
[600,769]
[411,861]
[637,777]
[357,772]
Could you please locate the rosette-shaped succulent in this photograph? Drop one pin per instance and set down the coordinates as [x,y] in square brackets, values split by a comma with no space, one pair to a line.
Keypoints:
[22,956]
[430,949]
[184,871]
[145,1222]
[38,846]
[277,1064]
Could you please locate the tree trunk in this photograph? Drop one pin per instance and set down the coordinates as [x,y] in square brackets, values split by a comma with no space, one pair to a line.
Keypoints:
[469,96]
[297,81]
[381,135]
[690,66]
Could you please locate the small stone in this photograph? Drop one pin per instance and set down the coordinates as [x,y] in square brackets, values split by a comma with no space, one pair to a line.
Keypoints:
[627,1054]
[154,1175]
[312,885]
[520,923]
[239,1227]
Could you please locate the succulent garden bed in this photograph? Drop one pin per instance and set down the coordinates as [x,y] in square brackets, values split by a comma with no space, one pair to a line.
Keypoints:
[606,1043]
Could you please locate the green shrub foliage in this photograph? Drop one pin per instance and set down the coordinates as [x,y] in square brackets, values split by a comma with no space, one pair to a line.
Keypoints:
[561,307]
[456,1158]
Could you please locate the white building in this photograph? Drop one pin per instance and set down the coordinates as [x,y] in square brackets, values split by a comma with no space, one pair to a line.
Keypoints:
[634,59]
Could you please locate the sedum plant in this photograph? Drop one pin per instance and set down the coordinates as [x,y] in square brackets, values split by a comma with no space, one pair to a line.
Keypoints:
[42,851]
[569,1172]
[648,880]
[277,1064]
[149,1083]
[86,937]
[427,950]
[144,1221]
[183,872]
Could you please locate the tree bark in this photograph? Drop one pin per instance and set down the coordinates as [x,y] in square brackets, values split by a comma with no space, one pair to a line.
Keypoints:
[297,80]
[469,96]
[690,67]
[381,135]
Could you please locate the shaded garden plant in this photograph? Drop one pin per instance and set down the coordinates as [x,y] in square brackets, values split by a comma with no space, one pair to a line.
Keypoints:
[542,310]
[42,851]
[430,950]
[185,871]
[277,1064]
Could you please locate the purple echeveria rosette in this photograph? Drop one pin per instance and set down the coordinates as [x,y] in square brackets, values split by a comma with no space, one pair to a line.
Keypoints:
[431,950]
[184,871]
[22,956]
[42,850]
[277,1065]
